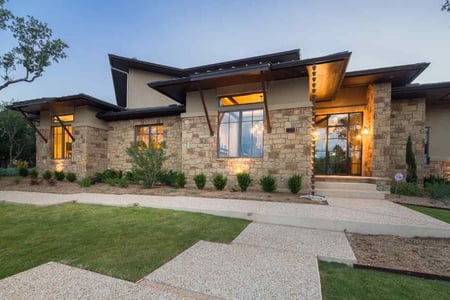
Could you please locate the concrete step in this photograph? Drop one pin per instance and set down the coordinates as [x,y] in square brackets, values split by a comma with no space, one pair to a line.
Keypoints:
[354,194]
[346,186]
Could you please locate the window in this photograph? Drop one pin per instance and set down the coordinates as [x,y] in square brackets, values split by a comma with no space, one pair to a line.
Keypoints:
[241,99]
[61,140]
[153,133]
[241,133]
[426,146]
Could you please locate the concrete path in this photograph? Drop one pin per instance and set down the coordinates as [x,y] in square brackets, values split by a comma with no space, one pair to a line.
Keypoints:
[364,216]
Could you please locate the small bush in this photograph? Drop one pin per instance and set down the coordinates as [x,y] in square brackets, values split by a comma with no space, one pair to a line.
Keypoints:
[268,183]
[59,175]
[34,174]
[47,175]
[71,177]
[111,174]
[111,181]
[131,177]
[122,182]
[434,179]
[180,180]
[200,181]
[408,189]
[438,191]
[167,177]
[219,181]
[243,180]
[85,182]
[295,184]
[23,171]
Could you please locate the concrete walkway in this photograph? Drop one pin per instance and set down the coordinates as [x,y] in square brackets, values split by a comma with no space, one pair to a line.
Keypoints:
[364,216]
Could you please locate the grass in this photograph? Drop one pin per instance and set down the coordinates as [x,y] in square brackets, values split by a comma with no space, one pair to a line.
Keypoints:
[126,243]
[440,214]
[342,282]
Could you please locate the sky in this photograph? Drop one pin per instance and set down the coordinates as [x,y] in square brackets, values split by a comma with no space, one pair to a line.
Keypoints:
[186,33]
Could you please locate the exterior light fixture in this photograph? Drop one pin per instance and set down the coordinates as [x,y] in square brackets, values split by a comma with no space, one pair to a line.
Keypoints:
[365,131]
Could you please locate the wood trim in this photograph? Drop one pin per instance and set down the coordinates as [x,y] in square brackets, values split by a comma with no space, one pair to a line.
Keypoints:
[33,126]
[211,132]
[65,128]
[266,107]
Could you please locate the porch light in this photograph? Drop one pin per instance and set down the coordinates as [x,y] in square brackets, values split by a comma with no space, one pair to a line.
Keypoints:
[365,131]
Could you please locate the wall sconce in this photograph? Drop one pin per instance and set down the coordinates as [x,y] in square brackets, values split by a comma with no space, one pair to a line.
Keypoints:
[365,131]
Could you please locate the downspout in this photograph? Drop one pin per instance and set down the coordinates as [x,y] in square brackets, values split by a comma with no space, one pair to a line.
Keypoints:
[126,73]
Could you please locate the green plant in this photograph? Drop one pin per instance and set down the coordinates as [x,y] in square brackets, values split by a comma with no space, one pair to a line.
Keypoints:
[71,177]
[59,175]
[244,180]
[47,175]
[411,173]
[85,182]
[147,161]
[34,174]
[434,179]
[437,190]
[408,189]
[122,182]
[167,177]
[295,183]
[7,172]
[111,181]
[200,181]
[219,181]
[23,171]
[180,180]
[131,177]
[268,183]
[111,174]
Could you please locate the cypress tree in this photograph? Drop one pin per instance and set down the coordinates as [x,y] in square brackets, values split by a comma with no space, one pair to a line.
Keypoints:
[411,173]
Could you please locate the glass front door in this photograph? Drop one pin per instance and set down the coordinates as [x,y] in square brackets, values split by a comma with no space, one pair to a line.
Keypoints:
[339,144]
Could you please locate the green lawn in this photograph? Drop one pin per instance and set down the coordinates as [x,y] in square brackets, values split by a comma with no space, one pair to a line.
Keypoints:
[441,214]
[342,282]
[127,243]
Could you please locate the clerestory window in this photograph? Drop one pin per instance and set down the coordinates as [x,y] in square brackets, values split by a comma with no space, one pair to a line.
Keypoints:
[61,140]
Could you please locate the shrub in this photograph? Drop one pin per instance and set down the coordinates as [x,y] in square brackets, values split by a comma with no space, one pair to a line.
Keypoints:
[71,177]
[180,180]
[434,179]
[243,180]
[411,174]
[200,181]
[122,182]
[47,175]
[295,184]
[23,171]
[167,177]
[111,174]
[131,177]
[85,182]
[6,172]
[111,181]
[59,175]
[34,174]
[147,161]
[268,183]
[219,181]
[20,164]
[437,190]
[408,189]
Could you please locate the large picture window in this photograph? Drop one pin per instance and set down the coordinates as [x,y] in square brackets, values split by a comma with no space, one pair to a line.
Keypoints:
[150,134]
[241,133]
[61,140]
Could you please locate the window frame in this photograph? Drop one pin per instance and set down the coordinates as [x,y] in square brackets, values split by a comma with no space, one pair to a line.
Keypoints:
[64,136]
[426,145]
[219,104]
[240,111]
[149,126]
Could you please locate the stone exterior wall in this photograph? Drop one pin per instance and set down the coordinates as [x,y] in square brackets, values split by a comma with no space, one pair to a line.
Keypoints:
[122,133]
[439,168]
[407,119]
[284,153]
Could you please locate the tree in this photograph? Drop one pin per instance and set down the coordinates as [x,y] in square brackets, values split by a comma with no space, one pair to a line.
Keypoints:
[17,138]
[35,48]
[411,174]
[446,6]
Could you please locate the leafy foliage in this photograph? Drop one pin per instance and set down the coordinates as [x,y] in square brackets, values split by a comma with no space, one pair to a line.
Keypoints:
[34,174]
[59,175]
[131,177]
[411,173]
[180,181]
[167,177]
[268,183]
[408,189]
[85,182]
[47,175]
[200,181]
[219,181]
[8,172]
[35,50]
[295,184]
[437,190]
[71,177]
[446,6]
[147,161]
[244,180]
[23,171]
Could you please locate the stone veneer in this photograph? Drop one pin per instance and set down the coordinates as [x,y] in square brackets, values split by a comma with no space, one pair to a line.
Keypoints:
[122,133]
[439,168]
[407,119]
[284,153]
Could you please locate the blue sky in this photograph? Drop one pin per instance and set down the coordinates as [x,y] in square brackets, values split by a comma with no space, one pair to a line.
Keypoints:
[188,33]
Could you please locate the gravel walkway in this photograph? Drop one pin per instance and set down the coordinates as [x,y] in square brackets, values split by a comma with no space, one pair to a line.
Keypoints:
[242,272]
[327,245]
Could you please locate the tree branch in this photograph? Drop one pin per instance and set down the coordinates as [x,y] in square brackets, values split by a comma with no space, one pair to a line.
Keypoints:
[25,79]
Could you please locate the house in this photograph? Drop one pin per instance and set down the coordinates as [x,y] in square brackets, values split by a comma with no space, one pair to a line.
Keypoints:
[274,113]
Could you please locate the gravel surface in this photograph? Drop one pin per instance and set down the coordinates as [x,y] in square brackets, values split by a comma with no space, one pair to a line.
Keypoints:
[327,245]
[242,272]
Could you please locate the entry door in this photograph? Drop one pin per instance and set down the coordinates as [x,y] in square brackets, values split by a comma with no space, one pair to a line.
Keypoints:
[339,144]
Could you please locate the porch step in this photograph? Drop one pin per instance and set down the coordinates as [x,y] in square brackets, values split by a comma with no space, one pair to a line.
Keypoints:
[351,193]
[346,186]
[349,179]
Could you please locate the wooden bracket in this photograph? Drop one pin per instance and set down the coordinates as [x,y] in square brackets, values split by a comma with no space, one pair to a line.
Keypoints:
[65,128]
[266,108]
[33,126]
[211,132]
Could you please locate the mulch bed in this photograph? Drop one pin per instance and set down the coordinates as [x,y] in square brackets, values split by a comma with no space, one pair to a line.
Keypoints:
[420,201]
[64,187]
[424,255]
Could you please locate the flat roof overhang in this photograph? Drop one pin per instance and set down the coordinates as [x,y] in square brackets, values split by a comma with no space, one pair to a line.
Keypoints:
[140,113]
[434,93]
[330,73]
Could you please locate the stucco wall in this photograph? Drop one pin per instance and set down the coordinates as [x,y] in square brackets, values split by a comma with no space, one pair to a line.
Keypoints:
[438,119]
[141,95]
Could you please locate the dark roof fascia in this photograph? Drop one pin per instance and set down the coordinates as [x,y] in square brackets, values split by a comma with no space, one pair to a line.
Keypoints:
[47,100]
[314,60]
[140,113]
[125,63]
[421,90]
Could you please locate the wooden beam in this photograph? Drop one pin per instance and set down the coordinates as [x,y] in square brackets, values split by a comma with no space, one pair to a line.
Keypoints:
[33,126]
[211,132]
[266,108]
[232,100]
[65,128]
